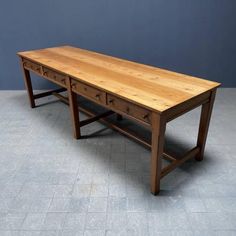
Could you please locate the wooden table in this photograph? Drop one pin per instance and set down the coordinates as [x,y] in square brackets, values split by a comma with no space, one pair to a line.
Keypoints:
[148,95]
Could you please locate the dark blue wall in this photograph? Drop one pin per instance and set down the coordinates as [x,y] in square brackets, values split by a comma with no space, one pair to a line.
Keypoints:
[196,37]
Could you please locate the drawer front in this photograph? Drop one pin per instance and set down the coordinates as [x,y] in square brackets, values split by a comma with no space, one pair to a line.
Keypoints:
[54,76]
[89,91]
[29,65]
[128,108]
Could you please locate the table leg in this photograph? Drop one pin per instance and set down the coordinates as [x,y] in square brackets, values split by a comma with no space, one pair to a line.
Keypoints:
[28,85]
[204,125]
[158,136]
[73,110]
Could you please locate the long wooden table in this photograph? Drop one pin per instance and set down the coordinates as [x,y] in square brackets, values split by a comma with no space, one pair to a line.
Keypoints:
[148,95]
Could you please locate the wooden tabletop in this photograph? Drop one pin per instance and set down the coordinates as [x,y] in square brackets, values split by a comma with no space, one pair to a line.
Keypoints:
[151,87]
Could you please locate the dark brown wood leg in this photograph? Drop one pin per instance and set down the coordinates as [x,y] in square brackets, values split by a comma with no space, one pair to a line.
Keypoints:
[204,125]
[28,85]
[73,110]
[158,136]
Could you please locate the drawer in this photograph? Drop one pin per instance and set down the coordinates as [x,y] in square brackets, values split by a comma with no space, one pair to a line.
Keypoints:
[29,65]
[128,108]
[88,91]
[54,76]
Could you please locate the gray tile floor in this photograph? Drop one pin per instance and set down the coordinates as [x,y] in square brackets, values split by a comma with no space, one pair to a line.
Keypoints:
[51,184]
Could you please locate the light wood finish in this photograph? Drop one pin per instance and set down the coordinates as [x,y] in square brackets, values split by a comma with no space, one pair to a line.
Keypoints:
[74,110]
[187,106]
[129,109]
[89,92]
[55,77]
[204,125]
[115,126]
[175,163]
[158,138]
[146,94]
[29,65]
[151,87]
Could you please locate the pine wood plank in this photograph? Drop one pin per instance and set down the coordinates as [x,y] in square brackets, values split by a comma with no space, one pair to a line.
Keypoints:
[154,88]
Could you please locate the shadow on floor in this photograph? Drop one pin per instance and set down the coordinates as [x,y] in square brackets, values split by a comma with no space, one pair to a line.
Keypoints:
[170,183]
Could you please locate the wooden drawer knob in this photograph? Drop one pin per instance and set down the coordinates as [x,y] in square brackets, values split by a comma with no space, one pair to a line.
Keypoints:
[145,116]
[111,101]
[97,96]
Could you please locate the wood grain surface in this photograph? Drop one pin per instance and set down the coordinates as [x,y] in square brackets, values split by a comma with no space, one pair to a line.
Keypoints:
[154,88]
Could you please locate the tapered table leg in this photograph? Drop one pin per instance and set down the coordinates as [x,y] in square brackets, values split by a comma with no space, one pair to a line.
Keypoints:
[28,85]
[204,125]
[158,136]
[73,110]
